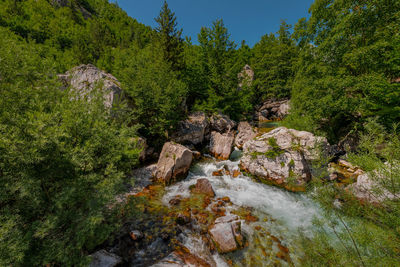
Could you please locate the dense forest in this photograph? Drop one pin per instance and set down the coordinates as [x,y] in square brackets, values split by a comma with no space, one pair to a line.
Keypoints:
[62,162]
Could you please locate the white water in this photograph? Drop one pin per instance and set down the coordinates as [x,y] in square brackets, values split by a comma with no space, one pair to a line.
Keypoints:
[281,213]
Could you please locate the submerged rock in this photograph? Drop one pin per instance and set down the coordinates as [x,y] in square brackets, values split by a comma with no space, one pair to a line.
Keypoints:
[227,234]
[203,186]
[221,145]
[192,130]
[245,133]
[174,162]
[103,258]
[283,156]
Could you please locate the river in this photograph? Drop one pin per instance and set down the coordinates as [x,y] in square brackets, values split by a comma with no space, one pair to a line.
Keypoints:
[282,216]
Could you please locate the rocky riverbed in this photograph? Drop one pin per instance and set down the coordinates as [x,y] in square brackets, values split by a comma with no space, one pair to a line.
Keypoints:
[230,207]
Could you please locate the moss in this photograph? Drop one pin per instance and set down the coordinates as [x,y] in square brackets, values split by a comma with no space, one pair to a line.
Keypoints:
[291,163]
[282,164]
[296,146]
[254,155]
[273,153]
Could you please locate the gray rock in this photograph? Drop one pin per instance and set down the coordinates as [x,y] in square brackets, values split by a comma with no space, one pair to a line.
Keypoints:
[226,233]
[246,76]
[272,110]
[203,186]
[174,162]
[370,186]
[84,79]
[291,157]
[103,258]
[192,130]
[221,145]
[172,260]
[245,133]
[143,177]
[221,123]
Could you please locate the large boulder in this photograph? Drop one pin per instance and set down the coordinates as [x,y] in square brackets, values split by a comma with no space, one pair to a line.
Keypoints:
[103,258]
[226,233]
[192,130]
[174,162]
[245,133]
[221,123]
[283,156]
[84,79]
[221,145]
[273,110]
[370,186]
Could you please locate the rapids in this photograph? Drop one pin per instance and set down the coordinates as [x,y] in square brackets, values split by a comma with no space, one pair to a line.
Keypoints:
[282,215]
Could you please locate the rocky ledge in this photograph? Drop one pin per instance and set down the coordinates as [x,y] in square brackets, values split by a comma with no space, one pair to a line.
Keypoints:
[283,157]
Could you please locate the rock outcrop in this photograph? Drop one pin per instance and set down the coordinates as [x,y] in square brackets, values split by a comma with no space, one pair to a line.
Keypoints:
[203,186]
[221,123]
[246,76]
[273,110]
[84,79]
[245,133]
[283,156]
[103,258]
[76,7]
[226,233]
[174,163]
[192,130]
[343,171]
[221,145]
[369,186]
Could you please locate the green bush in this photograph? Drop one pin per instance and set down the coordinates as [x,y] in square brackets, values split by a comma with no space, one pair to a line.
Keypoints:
[62,162]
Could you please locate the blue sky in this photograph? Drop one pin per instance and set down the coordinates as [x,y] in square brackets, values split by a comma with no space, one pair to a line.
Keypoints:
[245,19]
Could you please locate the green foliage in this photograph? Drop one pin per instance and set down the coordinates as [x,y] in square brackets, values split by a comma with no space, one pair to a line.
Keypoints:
[346,66]
[353,233]
[62,162]
[81,32]
[274,63]
[272,153]
[219,88]
[169,37]
[157,93]
[275,150]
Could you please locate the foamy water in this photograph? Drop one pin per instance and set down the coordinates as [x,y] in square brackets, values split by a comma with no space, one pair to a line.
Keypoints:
[287,213]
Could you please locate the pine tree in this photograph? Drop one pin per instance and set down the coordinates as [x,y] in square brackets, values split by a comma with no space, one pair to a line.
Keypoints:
[170,37]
